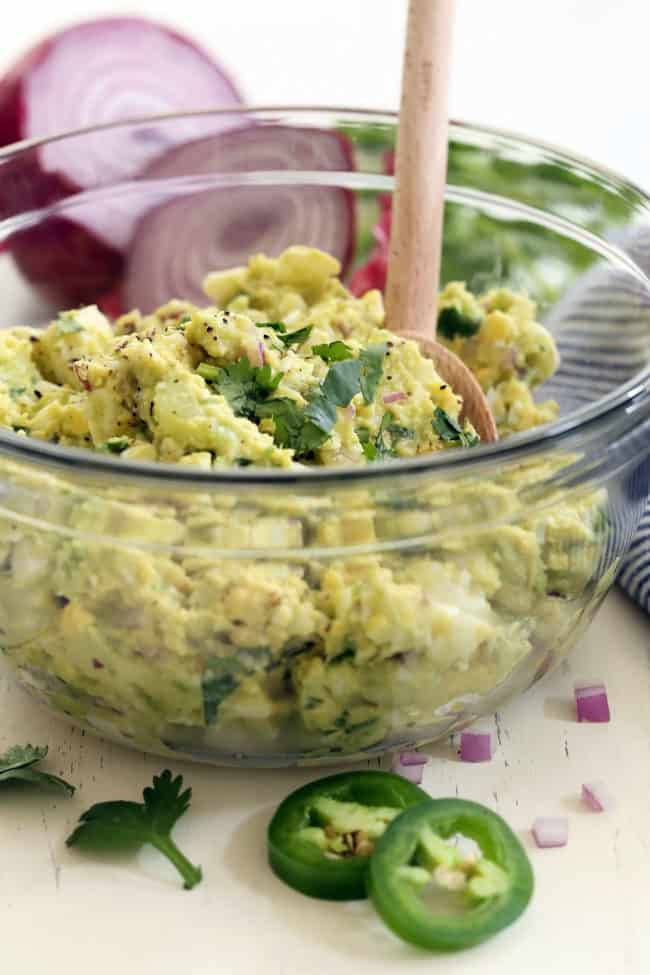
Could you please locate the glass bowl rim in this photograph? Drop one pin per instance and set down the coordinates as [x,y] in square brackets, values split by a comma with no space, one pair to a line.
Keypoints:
[636,389]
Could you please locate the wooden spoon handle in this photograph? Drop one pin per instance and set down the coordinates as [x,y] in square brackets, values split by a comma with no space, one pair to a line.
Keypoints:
[421,169]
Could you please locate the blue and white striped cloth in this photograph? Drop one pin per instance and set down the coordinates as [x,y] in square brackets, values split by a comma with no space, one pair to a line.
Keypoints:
[602,327]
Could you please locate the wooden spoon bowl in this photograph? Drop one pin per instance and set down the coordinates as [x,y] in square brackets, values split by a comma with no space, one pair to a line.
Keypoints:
[453,370]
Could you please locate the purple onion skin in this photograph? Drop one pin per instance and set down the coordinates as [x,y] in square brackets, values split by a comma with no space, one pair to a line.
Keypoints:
[157,263]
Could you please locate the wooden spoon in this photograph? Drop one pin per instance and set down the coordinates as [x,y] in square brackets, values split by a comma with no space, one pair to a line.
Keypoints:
[416,230]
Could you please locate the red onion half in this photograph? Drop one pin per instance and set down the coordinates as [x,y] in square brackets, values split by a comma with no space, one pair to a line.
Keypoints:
[90,74]
[199,230]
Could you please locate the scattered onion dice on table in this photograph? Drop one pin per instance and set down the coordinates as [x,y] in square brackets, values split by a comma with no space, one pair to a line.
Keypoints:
[592,703]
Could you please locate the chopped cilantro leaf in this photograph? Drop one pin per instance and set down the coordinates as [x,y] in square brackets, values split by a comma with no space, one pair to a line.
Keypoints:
[347,653]
[126,826]
[116,445]
[367,445]
[333,351]
[452,322]
[450,431]
[67,325]
[220,679]
[384,443]
[208,372]
[17,391]
[322,412]
[293,428]
[296,338]
[342,382]
[266,379]
[184,319]
[243,385]
[372,368]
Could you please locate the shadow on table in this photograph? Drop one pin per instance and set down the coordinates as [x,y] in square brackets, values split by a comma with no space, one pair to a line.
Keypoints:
[560,709]
[348,928]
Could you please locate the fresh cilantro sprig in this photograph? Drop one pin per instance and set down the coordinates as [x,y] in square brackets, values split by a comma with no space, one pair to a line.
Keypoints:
[17,764]
[450,430]
[126,826]
[249,390]
[452,322]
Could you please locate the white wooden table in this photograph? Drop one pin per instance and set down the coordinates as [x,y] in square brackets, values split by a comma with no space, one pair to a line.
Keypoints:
[62,912]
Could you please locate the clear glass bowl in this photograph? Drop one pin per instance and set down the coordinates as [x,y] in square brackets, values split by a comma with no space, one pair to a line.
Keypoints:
[263,617]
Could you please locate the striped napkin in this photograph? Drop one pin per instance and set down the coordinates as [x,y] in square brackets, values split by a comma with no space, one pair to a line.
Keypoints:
[602,328]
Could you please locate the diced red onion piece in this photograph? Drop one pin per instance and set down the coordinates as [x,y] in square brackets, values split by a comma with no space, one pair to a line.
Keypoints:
[350,411]
[411,772]
[394,397]
[550,831]
[592,703]
[597,796]
[412,758]
[475,746]
[262,351]
[198,230]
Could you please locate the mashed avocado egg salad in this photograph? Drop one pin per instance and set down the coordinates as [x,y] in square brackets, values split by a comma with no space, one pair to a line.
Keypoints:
[285,368]
[215,623]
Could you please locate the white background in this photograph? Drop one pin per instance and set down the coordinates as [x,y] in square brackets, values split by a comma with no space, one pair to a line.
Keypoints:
[574,72]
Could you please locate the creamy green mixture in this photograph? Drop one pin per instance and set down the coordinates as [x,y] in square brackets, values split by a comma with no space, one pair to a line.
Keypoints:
[133,610]
[285,367]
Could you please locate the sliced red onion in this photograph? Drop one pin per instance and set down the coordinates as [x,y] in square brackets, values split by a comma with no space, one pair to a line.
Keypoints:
[550,831]
[94,73]
[199,230]
[408,769]
[370,277]
[597,796]
[261,348]
[475,746]
[394,397]
[372,274]
[592,703]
